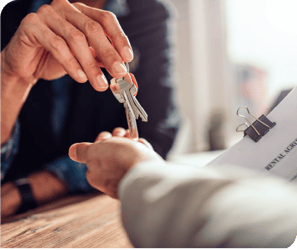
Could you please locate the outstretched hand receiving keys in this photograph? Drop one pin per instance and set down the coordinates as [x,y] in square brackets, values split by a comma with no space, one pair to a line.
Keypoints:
[110,157]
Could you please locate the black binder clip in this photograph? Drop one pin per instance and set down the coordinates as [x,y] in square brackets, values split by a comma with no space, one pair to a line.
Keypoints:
[258,128]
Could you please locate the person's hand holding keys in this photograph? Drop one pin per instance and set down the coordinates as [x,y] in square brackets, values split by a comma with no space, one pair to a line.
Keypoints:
[67,38]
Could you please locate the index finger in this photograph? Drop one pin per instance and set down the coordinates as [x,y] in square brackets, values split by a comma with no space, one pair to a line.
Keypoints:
[112,29]
[78,151]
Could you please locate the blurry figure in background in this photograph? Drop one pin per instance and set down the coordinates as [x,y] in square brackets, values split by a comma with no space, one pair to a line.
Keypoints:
[251,83]
[172,205]
[45,46]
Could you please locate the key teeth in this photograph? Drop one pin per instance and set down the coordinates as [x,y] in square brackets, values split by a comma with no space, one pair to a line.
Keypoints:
[125,93]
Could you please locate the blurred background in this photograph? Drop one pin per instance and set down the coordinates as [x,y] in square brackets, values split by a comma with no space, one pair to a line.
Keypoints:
[231,53]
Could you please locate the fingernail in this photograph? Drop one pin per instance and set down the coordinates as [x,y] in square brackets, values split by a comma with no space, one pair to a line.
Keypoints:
[82,75]
[119,68]
[127,53]
[102,81]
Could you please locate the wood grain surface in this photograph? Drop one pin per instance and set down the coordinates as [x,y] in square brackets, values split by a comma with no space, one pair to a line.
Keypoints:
[84,221]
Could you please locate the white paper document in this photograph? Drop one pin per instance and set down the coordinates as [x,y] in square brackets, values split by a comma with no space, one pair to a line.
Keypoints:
[276,152]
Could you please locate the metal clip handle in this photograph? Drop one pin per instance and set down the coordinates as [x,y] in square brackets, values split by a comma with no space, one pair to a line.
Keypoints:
[242,116]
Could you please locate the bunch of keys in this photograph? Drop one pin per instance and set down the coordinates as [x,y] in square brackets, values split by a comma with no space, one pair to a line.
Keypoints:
[125,89]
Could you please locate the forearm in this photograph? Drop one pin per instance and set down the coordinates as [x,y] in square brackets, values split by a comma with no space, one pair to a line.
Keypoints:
[183,206]
[57,178]
[14,92]
[46,186]
[9,150]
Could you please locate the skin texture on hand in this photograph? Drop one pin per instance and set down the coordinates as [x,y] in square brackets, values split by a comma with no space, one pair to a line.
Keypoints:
[110,158]
[60,38]
[57,38]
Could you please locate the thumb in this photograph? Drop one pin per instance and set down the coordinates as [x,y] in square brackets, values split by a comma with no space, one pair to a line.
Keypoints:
[78,151]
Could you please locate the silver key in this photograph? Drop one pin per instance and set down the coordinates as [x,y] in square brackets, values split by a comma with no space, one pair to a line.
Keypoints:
[124,90]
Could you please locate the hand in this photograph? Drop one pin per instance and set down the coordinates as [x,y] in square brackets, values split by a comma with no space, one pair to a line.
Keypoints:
[55,41]
[110,158]
[45,186]
[10,199]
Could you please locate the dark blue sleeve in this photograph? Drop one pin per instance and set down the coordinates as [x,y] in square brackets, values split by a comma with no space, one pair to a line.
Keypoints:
[153,35]
[9,150]
[72,173]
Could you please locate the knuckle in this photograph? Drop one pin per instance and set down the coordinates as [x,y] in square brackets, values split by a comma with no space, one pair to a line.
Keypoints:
[109,16]
[30,18]
[92,27]
[44,9]
[91,65]
[122,37]
[76,35]
[60,5]
[55,2]
[57,43]
[69,62]
[107,53]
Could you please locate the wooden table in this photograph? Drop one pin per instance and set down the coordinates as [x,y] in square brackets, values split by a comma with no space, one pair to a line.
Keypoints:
[76,221]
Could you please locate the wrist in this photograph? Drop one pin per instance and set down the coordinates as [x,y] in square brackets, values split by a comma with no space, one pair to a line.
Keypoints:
[13,86]
[14,92]
[27,199]
[11,80]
